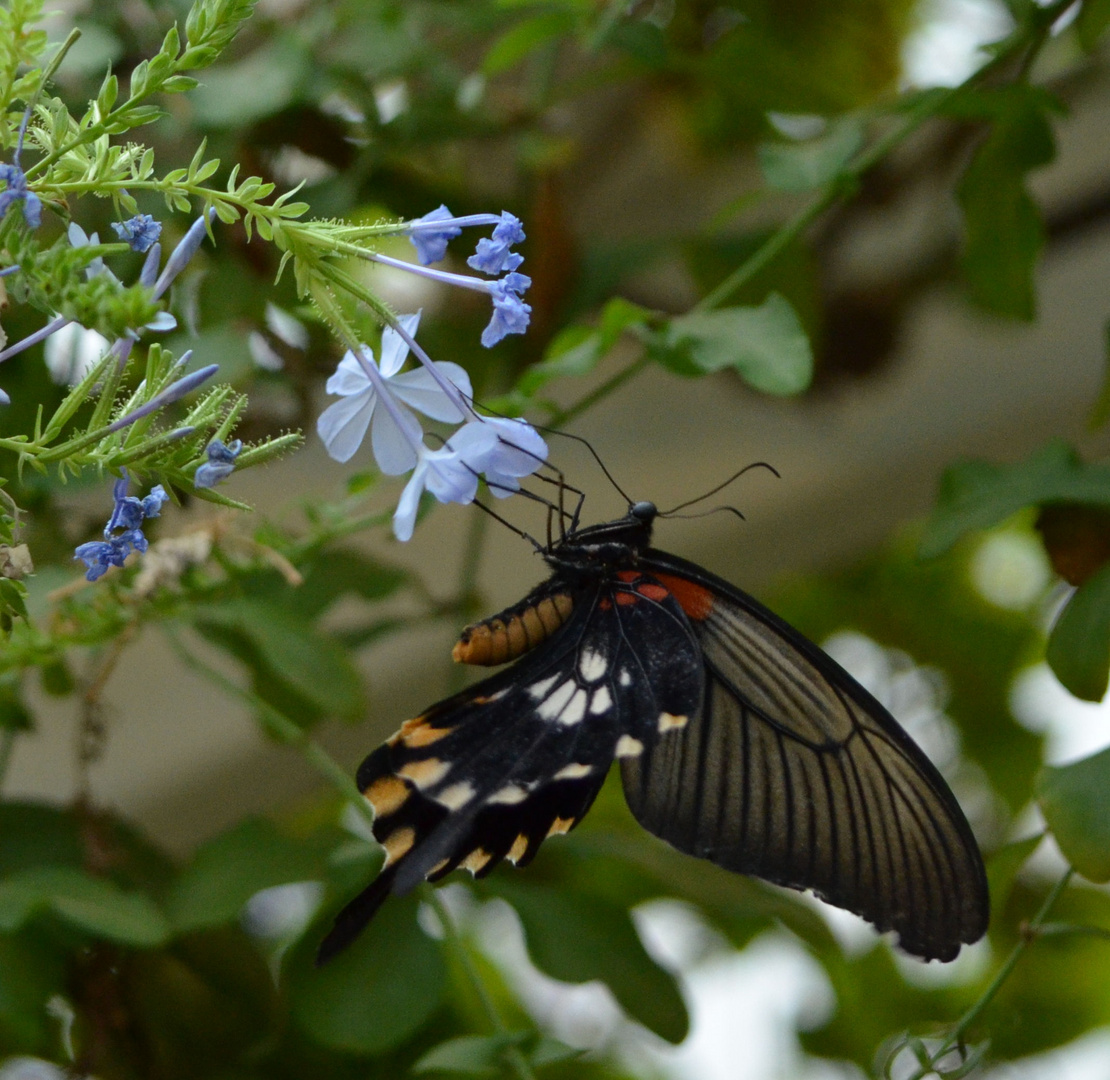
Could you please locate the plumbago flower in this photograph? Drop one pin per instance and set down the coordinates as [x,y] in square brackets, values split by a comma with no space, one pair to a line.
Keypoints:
[383,395]
[128,515]
[69,360]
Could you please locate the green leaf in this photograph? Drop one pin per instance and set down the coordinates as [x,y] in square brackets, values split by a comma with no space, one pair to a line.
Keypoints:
[1004,866]
[259,85]
[1003,228]
[766,345]
[30,974]
[1075,800]
[803,166]
[227,871]
[375,994]
[1093,20]
[976,495]
[471,1055]
[35,835]
[283,650]
[527,36]
[580,938]
[337,573]
[1079,646]
[95,905]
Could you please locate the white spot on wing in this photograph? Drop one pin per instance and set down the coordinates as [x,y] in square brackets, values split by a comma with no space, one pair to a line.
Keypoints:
[626,677]
[539,690]
[629,747]
[575,710]
[573,772]
[554,705]
[602,701]
[509,794]
[592,665]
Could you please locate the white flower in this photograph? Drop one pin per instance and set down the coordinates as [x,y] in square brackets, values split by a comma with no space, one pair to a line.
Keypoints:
[71,353]
[370,393]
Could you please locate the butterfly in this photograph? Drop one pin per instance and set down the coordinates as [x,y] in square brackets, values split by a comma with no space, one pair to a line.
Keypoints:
[739,741]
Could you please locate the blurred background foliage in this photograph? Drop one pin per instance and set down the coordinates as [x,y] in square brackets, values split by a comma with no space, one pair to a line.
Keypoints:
[660,152]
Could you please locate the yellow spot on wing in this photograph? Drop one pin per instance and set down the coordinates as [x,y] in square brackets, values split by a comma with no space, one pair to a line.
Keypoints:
[425,773]
[386,794]
[520,846]
[573,772]
[398,843]
[476,860]
[668,721]
[419,732]
[560,825]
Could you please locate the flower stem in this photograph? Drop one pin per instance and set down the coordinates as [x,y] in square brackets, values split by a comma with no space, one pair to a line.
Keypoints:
[1028,935]
[564,416]
[455,944]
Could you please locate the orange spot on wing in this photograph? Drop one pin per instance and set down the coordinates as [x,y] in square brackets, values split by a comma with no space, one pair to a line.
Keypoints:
[627,575]
[694,599]
[386,794]
[626,598]
[653,592]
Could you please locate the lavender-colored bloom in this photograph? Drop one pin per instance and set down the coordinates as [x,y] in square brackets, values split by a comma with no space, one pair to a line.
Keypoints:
[78,238]
[128,514]
[17,191]
[72,352]
[510,313]
[493,255]
[445,473]
[140,231]
[173,392]
[185,250]
[363,387]
[220,464]
[4,399]
[518,451]
[431,243]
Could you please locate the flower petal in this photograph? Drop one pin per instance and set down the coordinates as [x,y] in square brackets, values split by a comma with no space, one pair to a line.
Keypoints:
[395,445]
[350,376]
[394,347]
[343,424]
[419,389]
[404,518]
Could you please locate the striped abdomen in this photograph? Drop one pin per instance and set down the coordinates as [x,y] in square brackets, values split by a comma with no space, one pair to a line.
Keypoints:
[504,637]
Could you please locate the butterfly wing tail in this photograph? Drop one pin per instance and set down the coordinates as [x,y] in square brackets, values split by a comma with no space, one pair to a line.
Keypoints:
[351,920]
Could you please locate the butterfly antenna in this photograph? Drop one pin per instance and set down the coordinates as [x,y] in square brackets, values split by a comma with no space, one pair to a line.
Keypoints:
[706,513]
[509,525]
[721,487]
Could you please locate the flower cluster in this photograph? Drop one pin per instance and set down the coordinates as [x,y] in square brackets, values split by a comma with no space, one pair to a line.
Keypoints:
[128,515]
[220,464]
[381,399]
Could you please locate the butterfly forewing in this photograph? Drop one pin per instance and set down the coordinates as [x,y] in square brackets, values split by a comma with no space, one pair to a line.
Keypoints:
[490,773]
[792,772]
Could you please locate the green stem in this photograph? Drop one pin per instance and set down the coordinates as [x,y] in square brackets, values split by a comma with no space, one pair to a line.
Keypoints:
[281,727]
[457,947]
[564,416]
[7,742]
[1028,935]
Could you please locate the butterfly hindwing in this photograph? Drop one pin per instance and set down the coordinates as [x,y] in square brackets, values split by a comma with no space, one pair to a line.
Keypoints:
[792,772]
[491,772]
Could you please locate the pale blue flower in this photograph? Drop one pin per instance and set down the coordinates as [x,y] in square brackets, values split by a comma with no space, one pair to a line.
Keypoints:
[140,231]
[220,464]
[382,396]
[510,313]
[430,238]
[493,255]
[17,191]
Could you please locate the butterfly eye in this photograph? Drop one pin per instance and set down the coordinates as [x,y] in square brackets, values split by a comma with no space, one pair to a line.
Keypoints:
[644,511]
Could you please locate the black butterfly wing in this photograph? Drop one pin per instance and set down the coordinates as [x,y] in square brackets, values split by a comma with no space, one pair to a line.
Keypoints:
[794,773]
[491,772]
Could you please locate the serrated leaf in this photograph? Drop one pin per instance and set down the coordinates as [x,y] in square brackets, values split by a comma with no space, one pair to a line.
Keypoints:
[803,166]
[1079,646]
[580,938]
[375,994]
[1075,800]
[976,495]
[766,345]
